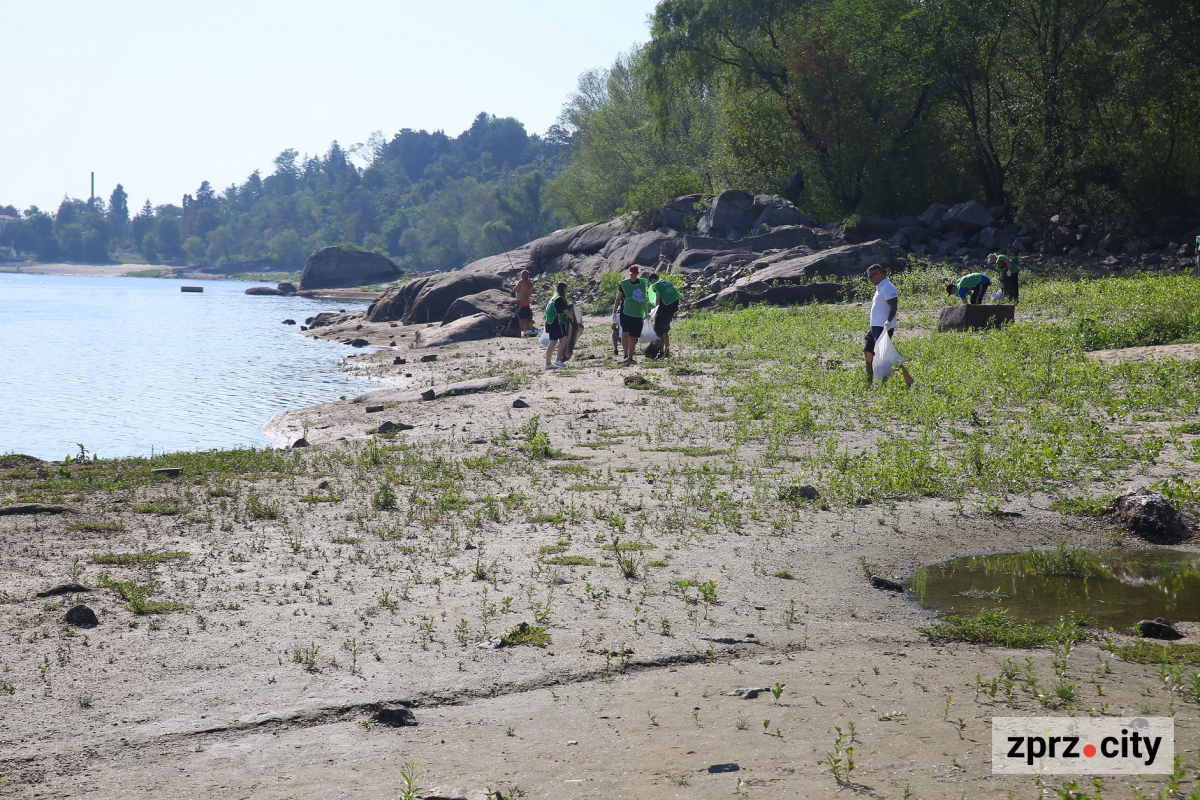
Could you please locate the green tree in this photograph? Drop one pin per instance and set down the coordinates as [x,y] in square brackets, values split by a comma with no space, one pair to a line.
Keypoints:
[118,211]
[287,250]
[195,249]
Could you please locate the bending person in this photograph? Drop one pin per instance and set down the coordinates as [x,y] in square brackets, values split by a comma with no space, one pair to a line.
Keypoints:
[666,300]
[970,288]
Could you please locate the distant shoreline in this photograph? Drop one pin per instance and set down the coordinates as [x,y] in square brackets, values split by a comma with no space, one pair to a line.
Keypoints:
[84,270]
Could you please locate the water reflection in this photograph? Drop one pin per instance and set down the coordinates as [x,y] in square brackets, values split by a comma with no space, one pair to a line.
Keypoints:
[124,365]
[1114,587]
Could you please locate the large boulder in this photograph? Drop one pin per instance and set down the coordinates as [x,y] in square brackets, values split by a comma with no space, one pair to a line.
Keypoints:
[643,249]
[794,266]
[505,265]
[783,294]
[780,239]
[428,299]
[555,244]
[596,238]
[466,329]
[870,228]
[264,291]
[995,239]
[933,215]
[774,212]
[970,217]
[333,267]
[680,213]
[1151,516]
[496,303]
[731,210]
[966,317]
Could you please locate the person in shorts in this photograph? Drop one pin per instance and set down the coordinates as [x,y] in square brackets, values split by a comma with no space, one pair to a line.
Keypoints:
[558,322]
[630,309]
[666,299]
[524,294]
[970,288]
[884,307]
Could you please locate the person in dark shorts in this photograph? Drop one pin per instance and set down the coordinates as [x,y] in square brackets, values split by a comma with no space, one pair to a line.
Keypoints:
[524,294]
[970,288]
[557,322]
[630,309]
[666,299]
[884,307]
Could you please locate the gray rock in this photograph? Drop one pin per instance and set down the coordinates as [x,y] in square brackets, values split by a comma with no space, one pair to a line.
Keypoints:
[505,266]
[359,343]
[289,322]
[595,238]
[933,215]
[1151,516]
[65,588]
[81,617]
[263,291]
[780,294]
[301,442]
[169,472]
[395,715]
[324,319]
[466,329]
[554,245]
[642,249]
[718,768]
[428,299]
[1157,628]
[496,303]
[332,267]
[899,240]
[970,217]
[776,212]
[747,693]
[730,210]
[790,266]
[426,359]
[390,427]
[998,212]
[781,239]
[995,239]
[398,395]
[794,494]
[870,228]
[399,360]
[681,213]
[287,287]
[970,317]
[518,403]
[880,582]
[916,234]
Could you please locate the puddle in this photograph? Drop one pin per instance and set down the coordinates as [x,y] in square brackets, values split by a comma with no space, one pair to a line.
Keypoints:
[1115,588]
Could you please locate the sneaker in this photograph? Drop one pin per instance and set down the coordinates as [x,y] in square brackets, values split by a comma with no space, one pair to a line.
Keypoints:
[551,366]
[629,362]
[560,364]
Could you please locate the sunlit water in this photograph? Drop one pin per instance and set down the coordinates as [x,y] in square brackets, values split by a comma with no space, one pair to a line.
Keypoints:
[126,365]
[1121,587]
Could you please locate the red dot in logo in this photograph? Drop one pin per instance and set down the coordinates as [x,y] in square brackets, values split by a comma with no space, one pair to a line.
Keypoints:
[1089,750]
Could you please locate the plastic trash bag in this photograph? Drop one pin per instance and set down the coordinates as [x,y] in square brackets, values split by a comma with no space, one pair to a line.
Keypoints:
[544,339]
[997,295]
[648,334]
[887,357]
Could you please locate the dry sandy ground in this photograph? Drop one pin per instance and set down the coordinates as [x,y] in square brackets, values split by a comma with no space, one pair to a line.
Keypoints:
[216,700]
[1178,352]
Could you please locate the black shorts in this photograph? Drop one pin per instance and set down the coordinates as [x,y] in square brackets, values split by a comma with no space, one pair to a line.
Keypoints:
[662,320]
[524,312]
[632,325]
[556,330]
[873,334]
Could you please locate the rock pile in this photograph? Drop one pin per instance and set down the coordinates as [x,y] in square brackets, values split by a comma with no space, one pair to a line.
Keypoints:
[334,267]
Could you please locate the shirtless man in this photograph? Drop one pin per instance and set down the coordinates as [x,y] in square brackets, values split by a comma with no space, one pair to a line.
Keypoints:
[524,293]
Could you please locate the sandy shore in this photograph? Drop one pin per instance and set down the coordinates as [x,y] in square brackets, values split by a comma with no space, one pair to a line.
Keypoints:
[305,608]
[89,270]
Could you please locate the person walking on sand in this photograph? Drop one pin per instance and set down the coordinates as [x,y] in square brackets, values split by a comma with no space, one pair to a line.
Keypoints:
[884,307]
[633,298]
[524,294]
[557,326]
[970,288]
[666,299]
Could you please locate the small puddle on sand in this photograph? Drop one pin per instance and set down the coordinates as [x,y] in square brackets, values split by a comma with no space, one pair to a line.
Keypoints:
[1114,588]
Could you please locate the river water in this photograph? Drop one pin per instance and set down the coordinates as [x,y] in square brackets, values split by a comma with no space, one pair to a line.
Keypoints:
[130,365]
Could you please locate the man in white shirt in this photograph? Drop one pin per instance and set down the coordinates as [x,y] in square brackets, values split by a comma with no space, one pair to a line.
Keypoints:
[884,306]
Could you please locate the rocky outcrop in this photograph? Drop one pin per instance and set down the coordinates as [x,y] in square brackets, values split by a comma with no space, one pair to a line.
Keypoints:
[974,318]
[783,238]
[466,329]
[969,217]
[428,299]
[1157,628]
[506,265]
[262,291]
[334,267]
[642,249]
[681,214]
[847,261]
[495,303]
[731,211]
[1151,516]
[779,294]
[775,212]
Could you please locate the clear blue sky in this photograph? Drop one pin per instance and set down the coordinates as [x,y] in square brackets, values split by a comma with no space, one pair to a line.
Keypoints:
[160,95]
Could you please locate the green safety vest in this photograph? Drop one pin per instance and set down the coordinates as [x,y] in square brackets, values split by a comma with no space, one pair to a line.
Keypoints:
[637,297]
[551,314]
[665,290]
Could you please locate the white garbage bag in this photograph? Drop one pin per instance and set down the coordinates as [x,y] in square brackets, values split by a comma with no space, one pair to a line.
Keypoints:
[544,339]
[887,357]
[997,295]
[648,334]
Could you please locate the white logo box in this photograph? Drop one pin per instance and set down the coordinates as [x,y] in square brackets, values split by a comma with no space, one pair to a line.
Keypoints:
[1083,746]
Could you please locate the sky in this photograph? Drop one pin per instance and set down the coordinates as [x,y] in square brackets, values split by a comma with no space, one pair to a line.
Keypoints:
[161,96]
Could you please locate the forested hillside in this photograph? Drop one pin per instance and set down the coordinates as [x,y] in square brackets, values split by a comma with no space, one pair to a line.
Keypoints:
[430,200]
[846,107]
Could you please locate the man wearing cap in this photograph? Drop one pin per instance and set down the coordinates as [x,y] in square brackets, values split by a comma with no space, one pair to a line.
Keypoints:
[970,288]
[884,306]
[524,293]
[633,299]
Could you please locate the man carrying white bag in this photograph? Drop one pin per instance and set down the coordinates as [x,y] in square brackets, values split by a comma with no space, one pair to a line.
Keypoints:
[879,350]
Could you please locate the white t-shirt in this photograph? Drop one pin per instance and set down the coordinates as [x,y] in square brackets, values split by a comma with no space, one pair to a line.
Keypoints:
[886,290]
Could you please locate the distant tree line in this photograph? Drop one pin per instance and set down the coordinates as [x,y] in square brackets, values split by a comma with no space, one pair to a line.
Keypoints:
[431,201]
[882,106]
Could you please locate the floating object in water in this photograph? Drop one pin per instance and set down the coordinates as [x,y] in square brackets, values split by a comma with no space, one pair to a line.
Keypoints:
[197,289]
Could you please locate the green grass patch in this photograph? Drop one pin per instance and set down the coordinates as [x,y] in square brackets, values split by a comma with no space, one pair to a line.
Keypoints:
[137,595]
[315,496]
[139,559]
[696,451]
[164,506]
[1144,651]
[571,561]
[1188,429]
[569,469]
[144,273]
[95,526]
[995,627]
[787,576]
[592,487]
[1086,506]
[561,546]
[534,635]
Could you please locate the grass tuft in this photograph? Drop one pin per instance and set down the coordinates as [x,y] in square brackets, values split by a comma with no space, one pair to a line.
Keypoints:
[525,633]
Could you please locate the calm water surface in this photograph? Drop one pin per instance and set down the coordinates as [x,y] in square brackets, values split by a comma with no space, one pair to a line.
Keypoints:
[124,365]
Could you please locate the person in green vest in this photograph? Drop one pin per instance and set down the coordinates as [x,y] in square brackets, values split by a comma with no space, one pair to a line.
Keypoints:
[665,297]
[557,326]
[633,302]
[970,288]
[1009,271]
